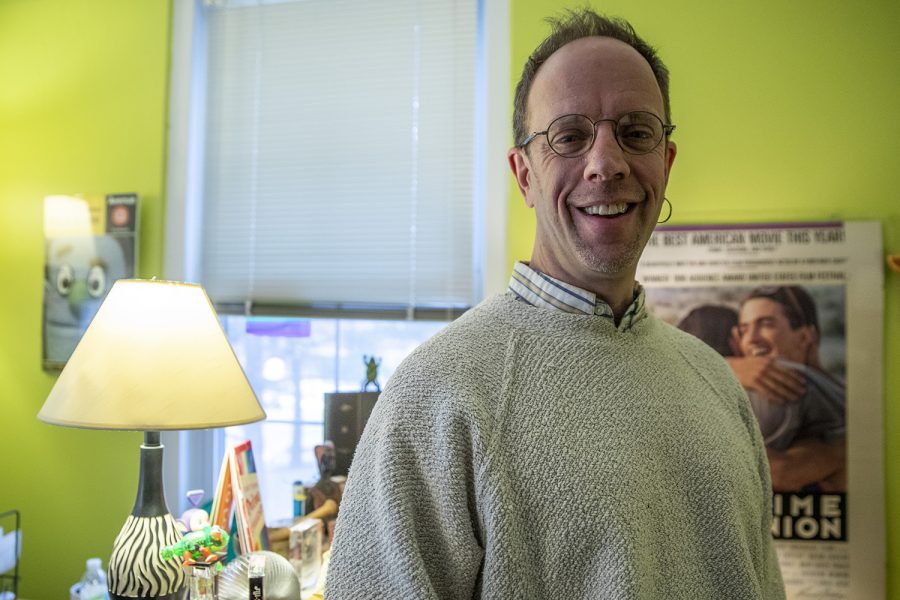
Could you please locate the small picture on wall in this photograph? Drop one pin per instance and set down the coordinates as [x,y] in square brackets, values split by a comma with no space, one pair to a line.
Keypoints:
[89,243]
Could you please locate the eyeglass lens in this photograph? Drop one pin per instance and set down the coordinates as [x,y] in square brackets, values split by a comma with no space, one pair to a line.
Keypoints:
[636,132]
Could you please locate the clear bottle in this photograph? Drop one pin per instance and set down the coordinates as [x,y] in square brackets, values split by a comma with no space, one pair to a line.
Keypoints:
[93,583]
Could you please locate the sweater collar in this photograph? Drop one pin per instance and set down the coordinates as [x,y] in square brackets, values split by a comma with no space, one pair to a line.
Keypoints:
[540,290]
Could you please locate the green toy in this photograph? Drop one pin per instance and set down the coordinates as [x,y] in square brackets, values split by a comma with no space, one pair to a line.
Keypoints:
[372,363]
[205,545]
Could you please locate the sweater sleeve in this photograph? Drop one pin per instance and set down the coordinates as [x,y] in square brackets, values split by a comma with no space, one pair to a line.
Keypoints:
[407,526]
[765,558]
[713,368]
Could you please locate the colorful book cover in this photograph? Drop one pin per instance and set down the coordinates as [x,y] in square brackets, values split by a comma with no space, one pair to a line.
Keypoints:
[247,501]
[238,486]
[220,512]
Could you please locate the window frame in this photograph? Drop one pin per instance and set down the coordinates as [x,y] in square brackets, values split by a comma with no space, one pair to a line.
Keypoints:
[193,459]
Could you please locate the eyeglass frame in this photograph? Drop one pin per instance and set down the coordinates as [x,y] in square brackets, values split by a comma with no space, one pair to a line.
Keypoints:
[667,128]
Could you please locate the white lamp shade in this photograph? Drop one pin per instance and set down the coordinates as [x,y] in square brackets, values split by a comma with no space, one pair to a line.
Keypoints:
[154,358]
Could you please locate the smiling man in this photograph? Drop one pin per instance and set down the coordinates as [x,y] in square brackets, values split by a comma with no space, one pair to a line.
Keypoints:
[805,432]
[557,441]
[597,174]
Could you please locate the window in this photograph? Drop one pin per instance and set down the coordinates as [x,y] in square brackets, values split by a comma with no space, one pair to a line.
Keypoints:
[292,364]
[331,165]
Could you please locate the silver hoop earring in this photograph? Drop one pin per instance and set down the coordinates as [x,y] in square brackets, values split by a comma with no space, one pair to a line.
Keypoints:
[669,216]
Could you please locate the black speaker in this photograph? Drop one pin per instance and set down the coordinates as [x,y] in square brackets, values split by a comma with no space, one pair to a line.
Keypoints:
[345,418]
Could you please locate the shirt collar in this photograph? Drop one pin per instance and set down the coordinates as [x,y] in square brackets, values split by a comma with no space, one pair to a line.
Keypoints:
[539,289]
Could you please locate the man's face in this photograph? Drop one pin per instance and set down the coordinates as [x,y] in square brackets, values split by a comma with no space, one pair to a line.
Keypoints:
[764,330]
[601,78]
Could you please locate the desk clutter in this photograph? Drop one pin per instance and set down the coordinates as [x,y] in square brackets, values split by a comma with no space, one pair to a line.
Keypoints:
[230,552]
[267,574]
[281,560]
[291,569]
[258,561]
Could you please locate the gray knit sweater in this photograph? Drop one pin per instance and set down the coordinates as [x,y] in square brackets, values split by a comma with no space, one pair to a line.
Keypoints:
[526,453]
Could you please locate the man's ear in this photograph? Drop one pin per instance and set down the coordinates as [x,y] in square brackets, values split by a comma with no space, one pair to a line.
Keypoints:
[671,151]
[520,165]
[810,334]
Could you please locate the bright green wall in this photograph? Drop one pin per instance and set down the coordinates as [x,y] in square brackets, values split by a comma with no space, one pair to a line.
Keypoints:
[83,95]
[785,111]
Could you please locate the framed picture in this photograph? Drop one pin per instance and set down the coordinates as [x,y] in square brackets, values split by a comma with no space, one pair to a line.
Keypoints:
[796,311]
[89,243]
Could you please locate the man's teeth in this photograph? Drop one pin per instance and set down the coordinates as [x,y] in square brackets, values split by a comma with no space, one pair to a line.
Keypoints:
[606,209]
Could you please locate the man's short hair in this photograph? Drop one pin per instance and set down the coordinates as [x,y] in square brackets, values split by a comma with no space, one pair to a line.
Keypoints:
[573,25]
[798,305]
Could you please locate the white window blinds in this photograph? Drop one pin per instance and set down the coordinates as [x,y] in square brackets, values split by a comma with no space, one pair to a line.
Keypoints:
[339,153]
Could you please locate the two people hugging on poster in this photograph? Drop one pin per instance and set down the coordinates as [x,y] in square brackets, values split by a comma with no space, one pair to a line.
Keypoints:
[772,344]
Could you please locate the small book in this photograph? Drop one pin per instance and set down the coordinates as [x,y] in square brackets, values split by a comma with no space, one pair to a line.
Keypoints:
[238,487]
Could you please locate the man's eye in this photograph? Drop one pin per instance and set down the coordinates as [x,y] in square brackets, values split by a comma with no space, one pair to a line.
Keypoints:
[637,133]
[572,136]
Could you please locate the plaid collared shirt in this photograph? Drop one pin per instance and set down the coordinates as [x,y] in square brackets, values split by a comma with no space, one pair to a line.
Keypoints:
[541,290]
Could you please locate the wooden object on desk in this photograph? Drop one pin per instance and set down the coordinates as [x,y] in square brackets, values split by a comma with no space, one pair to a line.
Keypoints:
[328,510]
[278,540]
[279,537]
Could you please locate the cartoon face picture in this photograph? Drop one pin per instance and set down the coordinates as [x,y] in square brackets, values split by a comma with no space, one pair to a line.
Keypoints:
[79,272]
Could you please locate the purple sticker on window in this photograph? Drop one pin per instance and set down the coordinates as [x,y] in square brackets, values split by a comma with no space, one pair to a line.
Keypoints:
[279,327]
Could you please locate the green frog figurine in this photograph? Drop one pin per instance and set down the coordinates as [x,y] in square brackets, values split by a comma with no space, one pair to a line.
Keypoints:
[372,363]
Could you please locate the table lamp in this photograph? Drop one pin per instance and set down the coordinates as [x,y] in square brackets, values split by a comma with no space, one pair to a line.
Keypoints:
[153,359]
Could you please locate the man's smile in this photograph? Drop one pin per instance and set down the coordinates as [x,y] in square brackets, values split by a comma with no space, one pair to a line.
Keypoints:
[606,210]
[759,350]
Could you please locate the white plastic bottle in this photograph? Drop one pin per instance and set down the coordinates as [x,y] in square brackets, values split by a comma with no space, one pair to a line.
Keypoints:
[93,582]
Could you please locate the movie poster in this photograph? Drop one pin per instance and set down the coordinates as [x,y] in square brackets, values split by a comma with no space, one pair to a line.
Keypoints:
[89,243]
[796,311]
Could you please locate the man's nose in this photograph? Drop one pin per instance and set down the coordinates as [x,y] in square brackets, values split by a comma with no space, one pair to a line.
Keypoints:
[752,334]
[605,158]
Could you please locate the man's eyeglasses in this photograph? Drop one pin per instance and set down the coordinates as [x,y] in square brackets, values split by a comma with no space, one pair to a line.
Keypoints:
[573,135]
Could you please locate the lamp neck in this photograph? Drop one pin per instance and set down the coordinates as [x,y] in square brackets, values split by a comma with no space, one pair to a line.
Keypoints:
[151,500]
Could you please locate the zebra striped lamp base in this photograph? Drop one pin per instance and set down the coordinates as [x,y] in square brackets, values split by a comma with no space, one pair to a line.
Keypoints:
[136,569]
